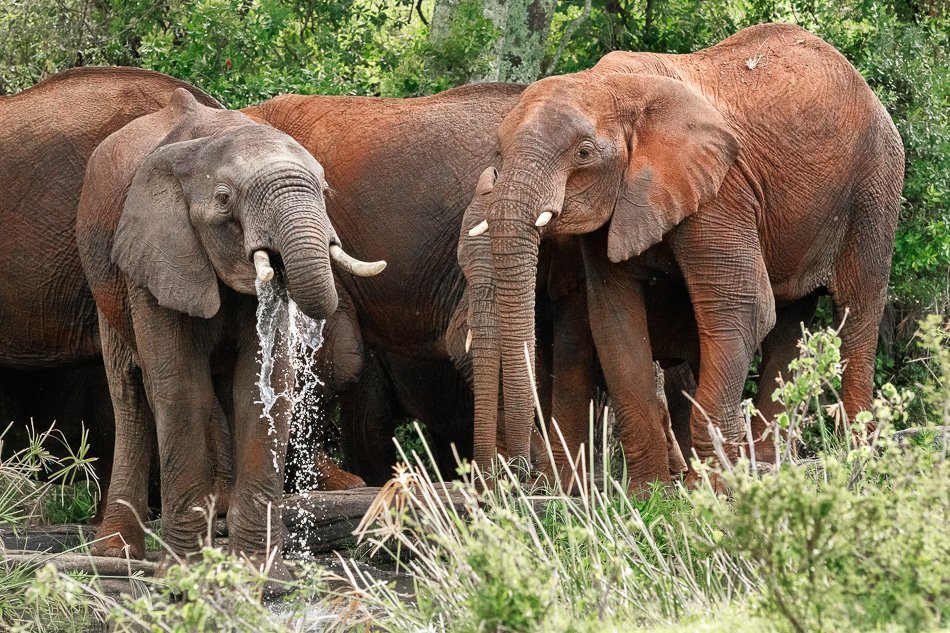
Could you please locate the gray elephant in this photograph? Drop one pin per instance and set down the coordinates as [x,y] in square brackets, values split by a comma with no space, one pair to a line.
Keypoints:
[181,211]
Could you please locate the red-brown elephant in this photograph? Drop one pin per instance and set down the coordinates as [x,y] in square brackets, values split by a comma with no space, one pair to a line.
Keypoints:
[761,170]
[49,339]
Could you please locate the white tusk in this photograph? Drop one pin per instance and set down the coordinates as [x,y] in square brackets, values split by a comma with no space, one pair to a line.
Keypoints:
[480,228]
[543,219]
[353,265]
[468,341]
[262,265]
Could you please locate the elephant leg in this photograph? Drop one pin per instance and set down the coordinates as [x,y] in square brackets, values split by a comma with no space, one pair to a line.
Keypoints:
[121,533]
[340,357]
[732,300]
[678,379]
[367,425]
[222,450]
[260,447]
[619,326]
[779,348]
[330,476]
[339,364]
[574,372]
[177,378]
[858,285]
[677,462]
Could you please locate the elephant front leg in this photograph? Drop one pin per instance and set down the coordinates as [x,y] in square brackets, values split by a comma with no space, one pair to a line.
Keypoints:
[177,380]
[732,299]
[619,327]
[121,533]
[260,446]
[573,387]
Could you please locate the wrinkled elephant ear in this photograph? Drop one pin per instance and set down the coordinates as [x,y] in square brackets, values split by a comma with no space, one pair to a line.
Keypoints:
[681,149]
[156,245]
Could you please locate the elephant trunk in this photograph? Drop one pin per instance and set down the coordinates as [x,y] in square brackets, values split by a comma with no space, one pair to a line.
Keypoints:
[514,242]
[301,235]
[483,323]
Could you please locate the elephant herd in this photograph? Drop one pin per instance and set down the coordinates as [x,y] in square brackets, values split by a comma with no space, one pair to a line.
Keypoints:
[553,238]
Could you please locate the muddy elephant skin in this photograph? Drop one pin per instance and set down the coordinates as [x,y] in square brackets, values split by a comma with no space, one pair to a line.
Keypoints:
[763,168]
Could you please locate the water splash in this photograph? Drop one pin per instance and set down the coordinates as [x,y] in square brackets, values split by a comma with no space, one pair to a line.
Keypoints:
[282,328]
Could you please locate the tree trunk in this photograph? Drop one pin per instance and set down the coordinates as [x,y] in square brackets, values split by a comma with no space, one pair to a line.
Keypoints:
[523,25]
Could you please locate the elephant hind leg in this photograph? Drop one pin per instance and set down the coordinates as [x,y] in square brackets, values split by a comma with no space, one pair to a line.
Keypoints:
[120,533]
[861,312]
[779,348]
[678,379]
[859,286]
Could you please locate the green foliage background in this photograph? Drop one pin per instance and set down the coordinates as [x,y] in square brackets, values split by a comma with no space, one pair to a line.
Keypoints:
[244,51]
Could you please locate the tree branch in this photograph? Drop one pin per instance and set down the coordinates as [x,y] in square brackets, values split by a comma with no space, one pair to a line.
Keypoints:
[419,11]
[568,34]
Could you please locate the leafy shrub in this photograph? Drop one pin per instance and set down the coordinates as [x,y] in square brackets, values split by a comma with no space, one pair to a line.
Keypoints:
[33,481]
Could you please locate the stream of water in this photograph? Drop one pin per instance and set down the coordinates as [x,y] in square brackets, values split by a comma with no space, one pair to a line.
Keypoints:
[280,324]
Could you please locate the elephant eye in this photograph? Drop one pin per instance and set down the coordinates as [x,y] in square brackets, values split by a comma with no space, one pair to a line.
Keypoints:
[222,197]
[585,152]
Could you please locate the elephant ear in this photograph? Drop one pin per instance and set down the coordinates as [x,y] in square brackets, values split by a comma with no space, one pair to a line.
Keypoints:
[681,149]
[156,245]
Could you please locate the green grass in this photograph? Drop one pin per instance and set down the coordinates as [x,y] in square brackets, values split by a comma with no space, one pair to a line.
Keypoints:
[38,487]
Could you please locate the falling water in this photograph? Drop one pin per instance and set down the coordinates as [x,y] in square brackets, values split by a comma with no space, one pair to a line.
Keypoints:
[280,324]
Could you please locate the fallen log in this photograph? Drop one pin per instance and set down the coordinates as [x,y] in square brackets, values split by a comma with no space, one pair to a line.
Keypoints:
[92,565]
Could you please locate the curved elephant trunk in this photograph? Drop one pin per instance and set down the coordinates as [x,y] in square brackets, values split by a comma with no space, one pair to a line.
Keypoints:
[301,236]
[514,241]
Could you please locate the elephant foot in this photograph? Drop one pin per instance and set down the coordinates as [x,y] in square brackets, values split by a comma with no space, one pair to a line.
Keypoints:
[716,482]
[765,451]
[278,574]
[118,542]
[331,477]
[340,480]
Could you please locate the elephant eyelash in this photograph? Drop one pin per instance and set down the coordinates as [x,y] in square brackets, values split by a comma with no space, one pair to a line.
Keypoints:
[585,152]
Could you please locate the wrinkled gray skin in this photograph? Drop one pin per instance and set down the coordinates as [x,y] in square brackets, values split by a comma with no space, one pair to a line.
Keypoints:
[760,184]
[172,209]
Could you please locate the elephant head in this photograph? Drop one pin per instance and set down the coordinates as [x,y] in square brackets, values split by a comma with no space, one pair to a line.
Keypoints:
[633,155]
[217,199]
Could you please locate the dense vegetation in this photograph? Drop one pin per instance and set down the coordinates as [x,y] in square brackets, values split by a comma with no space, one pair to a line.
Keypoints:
[852,537]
